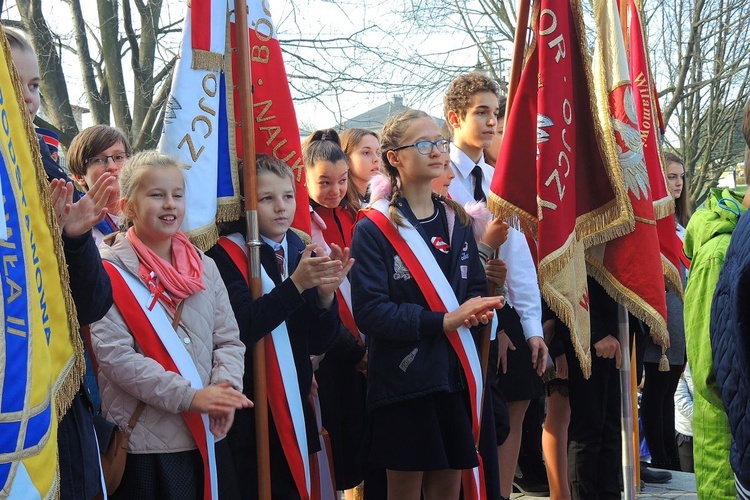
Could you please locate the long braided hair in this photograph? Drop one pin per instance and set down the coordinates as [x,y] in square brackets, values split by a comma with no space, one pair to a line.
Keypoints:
[391,137]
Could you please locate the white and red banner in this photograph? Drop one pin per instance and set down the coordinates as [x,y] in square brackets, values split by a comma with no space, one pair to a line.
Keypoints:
[200,127]
[197,121]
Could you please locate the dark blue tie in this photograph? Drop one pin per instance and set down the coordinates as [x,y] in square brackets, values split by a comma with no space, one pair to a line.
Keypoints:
[476,172]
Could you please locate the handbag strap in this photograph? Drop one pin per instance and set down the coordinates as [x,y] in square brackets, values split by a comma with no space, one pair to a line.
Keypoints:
[141,405]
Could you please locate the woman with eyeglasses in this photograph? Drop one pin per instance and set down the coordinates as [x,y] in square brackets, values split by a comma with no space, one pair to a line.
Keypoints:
[94,151]
[417,290]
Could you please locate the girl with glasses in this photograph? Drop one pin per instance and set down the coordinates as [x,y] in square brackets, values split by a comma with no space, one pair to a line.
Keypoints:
[417,290]
[93,152]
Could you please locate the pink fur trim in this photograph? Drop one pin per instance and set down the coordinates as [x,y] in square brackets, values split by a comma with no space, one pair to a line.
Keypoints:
[478,211]
[380,187]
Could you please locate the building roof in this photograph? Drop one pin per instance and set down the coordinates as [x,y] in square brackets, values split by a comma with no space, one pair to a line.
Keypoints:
[377,116]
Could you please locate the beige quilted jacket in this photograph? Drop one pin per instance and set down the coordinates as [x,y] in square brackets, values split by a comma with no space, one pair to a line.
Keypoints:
[209,332]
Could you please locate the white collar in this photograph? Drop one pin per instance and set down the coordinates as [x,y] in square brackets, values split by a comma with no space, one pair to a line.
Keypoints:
[275,245]
[464,165]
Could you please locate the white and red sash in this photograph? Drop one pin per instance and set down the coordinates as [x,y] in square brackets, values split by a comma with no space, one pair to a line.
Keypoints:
[283,391]
[153,331]
[437,291]
[344,293]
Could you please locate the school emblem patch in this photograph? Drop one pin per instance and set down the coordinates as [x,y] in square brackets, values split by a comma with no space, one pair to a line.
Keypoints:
[400,272]
[439,244]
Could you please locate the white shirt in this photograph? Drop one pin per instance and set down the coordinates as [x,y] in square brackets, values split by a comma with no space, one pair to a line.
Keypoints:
[523,288]
[275,245]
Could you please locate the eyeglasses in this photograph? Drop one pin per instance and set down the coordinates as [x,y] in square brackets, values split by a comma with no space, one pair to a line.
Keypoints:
[102,161]
[425,147]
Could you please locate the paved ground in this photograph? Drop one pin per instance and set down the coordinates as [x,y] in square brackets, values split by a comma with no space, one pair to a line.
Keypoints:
[682,486]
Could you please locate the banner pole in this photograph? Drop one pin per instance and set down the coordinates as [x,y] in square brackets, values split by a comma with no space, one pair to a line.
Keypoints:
[636,441]
[519,48]
[631,474]
[250,182]
[628,467]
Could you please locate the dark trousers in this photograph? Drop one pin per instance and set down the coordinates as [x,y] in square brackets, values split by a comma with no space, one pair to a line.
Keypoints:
[685,450]
[79,458]
[657,414]
[594,449]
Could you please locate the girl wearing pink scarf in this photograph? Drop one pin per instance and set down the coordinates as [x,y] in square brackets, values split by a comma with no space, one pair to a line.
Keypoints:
[173,452]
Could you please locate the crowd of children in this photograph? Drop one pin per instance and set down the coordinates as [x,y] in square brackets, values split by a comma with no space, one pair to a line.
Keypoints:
[376,319]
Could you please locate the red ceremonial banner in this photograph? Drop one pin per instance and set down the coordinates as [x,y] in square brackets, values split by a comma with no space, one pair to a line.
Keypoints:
[629,267]
[649,117]
[276,130]
[555,175]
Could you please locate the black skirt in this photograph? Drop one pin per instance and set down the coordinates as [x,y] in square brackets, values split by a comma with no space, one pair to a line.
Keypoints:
[179,475]
[432,432]
[520,382]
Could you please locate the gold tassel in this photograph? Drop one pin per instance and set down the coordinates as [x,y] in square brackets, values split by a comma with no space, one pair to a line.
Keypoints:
[663,363]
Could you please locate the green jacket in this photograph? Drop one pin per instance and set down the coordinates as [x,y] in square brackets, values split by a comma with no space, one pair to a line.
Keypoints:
[706,240]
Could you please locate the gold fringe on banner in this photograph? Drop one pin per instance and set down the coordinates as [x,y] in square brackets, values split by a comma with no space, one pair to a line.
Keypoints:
[663,208]
[621,221]
[635,305]
[204,237]
[207,61]
[229,208]
[564,307]
[521,220]
[69,381]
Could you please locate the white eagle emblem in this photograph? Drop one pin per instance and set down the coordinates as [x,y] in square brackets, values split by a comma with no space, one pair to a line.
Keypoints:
[632,160]
[400,272]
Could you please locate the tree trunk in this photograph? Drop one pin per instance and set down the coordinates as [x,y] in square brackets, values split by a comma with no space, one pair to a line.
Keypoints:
[55,102]
[109,25]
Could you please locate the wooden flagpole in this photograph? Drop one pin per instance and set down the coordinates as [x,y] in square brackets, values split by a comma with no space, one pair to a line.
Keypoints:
[519,48]
[250,182]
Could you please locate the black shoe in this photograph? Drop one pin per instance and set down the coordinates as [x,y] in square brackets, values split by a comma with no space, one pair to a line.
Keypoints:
[530,488]
[654,476]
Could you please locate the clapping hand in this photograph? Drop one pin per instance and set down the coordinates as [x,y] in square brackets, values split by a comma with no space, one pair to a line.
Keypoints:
[341,256]
[75,219]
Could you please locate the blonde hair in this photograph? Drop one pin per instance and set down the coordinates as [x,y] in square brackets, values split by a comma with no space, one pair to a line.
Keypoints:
[391,137]
[267,164]
[136,167]
[18,40]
